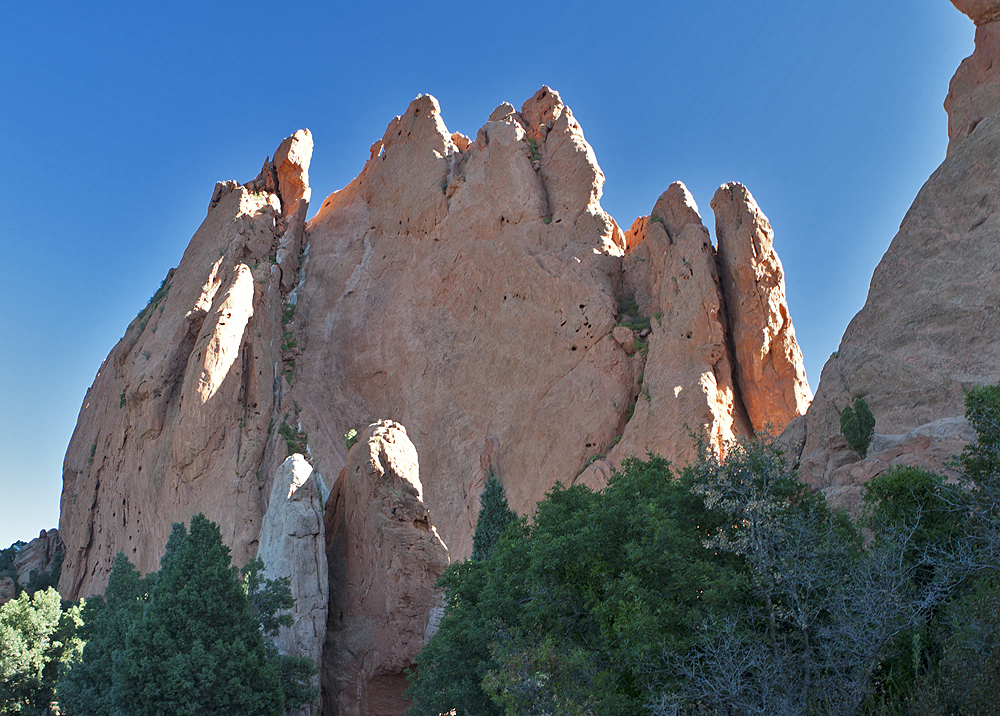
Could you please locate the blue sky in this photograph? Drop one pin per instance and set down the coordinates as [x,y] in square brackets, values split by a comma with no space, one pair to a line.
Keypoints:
[117,119]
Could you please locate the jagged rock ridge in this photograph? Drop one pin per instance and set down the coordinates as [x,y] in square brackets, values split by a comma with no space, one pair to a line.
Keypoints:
[469,289]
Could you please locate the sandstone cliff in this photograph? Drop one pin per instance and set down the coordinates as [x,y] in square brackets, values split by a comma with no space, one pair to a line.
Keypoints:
[928,328]
[473,290]
[178,420]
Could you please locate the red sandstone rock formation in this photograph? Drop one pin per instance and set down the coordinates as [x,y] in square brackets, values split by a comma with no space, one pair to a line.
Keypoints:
[37,555]
[927,330]
[769,370]
[469,289]
[178,420]
[385,557]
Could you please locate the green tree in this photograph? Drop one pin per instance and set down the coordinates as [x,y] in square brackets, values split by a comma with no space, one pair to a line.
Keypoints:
[495,516]
[981,459]
[36,638]
[197,649]
[268,597]
[857,425]
[88,687]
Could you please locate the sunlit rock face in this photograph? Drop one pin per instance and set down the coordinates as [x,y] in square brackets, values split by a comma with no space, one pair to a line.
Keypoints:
[179,418]
[472,289]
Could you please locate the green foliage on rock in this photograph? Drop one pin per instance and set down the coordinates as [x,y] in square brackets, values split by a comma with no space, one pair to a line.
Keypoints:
[857,425]
[37,637]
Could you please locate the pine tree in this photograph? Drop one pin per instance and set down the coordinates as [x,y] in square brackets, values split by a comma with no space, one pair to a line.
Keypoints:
[88,686]
[495,516]
[197,649]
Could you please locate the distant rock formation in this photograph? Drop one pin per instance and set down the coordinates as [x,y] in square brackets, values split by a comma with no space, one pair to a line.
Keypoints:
[385,557]
[928,329]
[37,556]
[8,589]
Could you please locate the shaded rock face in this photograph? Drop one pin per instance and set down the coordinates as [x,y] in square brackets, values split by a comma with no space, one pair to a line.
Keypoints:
[180,417]
[293,545]
[8,588]
[927,330]
[37,555]
[384,556]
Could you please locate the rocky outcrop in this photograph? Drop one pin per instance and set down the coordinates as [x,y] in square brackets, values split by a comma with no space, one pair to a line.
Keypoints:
[927,330]
[471,289]
[38,555]
[974,93]
[293,545]
[385,557]
[685,384]
[183,415]
[8,590]
[980,12]
[769,369]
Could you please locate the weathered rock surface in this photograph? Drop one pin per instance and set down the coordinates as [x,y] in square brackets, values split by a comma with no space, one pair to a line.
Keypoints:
[37,555]
[769,369]
[980,11]
[974,92]
[293,545]
[8,589]
[927,330]
[385,557]
[685,384]
[177,421]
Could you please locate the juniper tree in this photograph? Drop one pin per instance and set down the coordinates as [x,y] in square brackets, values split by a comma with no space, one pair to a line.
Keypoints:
[495,516]
[197,649]
[88,687]
[857,425]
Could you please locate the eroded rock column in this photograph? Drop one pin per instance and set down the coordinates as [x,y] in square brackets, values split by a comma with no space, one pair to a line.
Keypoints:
[384,556]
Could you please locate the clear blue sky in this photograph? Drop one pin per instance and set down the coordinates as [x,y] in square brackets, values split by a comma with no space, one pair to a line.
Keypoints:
[117,119]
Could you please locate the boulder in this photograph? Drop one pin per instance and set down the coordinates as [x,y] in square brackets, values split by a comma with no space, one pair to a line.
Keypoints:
[293,545]
[385,556]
